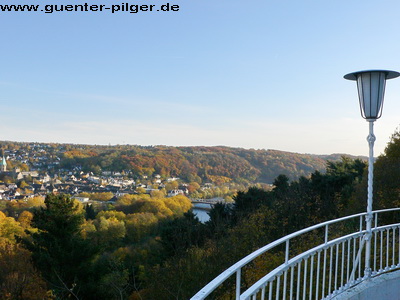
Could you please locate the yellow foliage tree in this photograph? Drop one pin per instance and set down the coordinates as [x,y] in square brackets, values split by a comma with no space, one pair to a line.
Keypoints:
[139,225]
[36,202]
[119,215]
[9,229]
[25,219]
[156,207]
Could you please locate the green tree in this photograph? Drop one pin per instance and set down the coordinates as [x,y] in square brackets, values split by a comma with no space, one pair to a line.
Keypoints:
[90,214]
[386,175]
[58,249]
[220,218]
[250,201]
[182,233]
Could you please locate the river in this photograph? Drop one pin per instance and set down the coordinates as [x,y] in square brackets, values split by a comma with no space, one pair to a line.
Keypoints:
[201,211]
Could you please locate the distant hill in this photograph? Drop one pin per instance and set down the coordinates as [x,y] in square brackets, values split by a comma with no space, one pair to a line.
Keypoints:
[217,164]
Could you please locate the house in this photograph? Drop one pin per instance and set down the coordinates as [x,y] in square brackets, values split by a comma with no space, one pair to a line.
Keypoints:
[173,193]
[82,199]
[12,186]
[46,178]
[3,188]
[172,179]
[30,173]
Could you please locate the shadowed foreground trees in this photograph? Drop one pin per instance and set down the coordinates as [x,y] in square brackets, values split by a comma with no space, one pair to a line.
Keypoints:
[19,280]
[58,249]
[387,174]
[257,218]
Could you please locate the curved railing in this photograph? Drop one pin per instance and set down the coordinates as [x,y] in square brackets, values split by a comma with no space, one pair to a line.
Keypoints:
[322,270]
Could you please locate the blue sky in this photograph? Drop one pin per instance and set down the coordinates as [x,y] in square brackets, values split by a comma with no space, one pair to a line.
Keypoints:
[252,74]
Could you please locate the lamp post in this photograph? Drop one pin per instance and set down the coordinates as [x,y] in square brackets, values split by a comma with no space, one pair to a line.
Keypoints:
[371,91]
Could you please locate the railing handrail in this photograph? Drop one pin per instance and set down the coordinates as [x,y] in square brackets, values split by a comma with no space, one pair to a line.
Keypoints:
[217,281]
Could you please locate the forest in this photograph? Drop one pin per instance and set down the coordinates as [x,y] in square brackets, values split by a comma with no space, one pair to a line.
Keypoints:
[217,165]
[152,247]
[202,164]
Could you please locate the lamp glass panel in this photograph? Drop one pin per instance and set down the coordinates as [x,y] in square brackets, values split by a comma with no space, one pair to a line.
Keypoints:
[371,87]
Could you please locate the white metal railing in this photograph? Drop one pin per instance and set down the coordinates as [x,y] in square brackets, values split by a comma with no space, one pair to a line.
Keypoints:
[323,270]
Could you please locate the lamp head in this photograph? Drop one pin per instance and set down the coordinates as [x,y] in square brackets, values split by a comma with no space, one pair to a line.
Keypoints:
[371,91]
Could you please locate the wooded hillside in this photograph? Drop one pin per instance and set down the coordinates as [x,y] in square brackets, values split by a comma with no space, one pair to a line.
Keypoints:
[208,164]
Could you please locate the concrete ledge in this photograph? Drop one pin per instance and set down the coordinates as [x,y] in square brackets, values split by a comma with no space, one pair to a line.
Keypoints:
[382,287]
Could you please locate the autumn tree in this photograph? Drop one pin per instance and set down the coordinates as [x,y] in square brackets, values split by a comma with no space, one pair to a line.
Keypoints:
[193,186]
[25,219]
[173,185]
[37,201]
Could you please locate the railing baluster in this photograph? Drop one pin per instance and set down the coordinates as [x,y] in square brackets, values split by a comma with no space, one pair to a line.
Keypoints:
[399,245]
[381,253]
[284,284]
[263,293]
[360,261]
[238,283]
[291,282]
[330,271]
[298,281]
[360,247]
[326,233]
[348,260]
[324,276]
[354,255]
[305,279]
[387,248]
[287,252]
[393,243]
[286,262]
[375,243]
[278,285]
[317,280]
[375,238]
[311,275]
[342,268]
[336,265]
[270,290]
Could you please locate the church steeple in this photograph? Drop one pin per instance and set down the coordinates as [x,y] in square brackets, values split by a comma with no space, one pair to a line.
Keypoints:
[3,165]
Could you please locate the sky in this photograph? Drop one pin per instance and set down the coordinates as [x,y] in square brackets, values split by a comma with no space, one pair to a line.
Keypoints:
[253,74]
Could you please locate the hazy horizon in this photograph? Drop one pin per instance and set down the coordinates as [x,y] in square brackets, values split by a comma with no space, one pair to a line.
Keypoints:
[178,146]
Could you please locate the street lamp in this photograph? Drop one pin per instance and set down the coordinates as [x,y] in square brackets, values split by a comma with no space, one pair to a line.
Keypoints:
[371,91]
